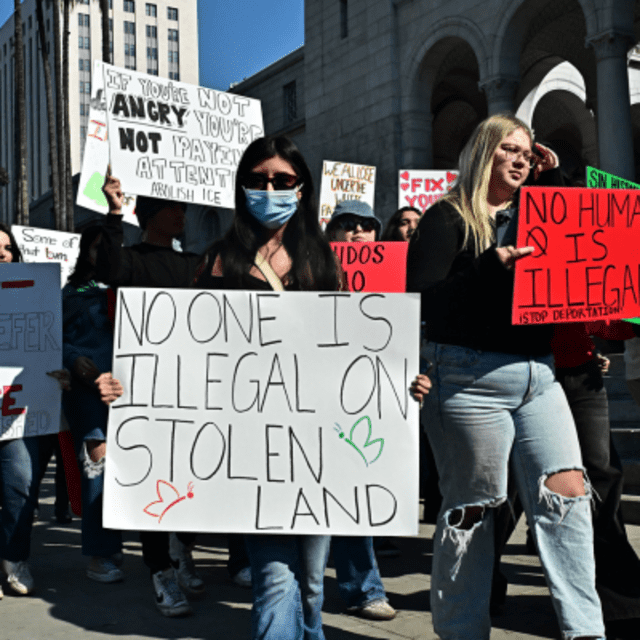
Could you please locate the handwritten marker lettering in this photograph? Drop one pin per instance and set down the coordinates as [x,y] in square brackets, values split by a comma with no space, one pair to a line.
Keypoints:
[173,495]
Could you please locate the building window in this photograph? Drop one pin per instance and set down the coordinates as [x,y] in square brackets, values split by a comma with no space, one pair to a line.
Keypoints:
[290,102]
[83,43]
[152,72]
[344,23]
[130,27]
[110,4]
[172,13]
[152,32]
[111,24]
[174,75]
[83,133]
[173,56]
[82,113]
[83,19]
[30,23]
[129,6]
[48,25]
[152,53]
[129,49]
[152,10]
[173,35]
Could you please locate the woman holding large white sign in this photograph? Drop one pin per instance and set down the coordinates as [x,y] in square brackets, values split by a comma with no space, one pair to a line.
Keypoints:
[495,399]
[18,469]
[275,242]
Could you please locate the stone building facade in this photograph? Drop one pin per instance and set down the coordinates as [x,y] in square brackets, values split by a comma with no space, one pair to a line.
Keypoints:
[400,84]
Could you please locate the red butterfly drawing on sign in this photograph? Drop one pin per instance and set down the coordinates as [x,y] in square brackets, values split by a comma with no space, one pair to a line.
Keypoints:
[162,486]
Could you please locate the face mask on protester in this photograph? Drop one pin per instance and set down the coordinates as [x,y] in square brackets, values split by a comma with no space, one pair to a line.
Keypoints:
[272,208]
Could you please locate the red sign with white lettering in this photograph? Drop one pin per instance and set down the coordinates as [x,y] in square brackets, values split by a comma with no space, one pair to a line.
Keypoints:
[377,267]
[586,263]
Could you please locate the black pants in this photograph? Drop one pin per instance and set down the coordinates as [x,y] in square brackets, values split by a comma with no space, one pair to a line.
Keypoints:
[617,565]
[155,548]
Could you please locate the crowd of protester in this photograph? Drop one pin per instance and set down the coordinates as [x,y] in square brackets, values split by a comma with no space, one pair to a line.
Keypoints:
[515,417]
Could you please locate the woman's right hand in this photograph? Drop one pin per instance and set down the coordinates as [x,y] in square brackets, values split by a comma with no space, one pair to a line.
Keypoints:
[113,193]
[509,255]
[109,387]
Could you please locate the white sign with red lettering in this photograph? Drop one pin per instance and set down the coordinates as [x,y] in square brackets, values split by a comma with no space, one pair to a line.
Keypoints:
[421,189]
[31,346]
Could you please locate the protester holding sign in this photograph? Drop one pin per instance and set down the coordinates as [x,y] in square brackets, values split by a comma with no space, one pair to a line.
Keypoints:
[275,242]
[87,352]
[153,263]
[19,462]
[495,400]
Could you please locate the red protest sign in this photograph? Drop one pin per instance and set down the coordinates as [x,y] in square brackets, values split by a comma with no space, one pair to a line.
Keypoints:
[379,267]
[585,264]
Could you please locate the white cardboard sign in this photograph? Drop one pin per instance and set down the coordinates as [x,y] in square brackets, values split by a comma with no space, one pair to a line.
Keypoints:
[173,140]
[264,412]
[30,346]
[96,154]
[421,189]
[345,181]
[47,245]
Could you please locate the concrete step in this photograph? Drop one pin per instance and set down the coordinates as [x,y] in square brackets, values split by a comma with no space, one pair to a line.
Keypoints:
[627,442]
[630,505]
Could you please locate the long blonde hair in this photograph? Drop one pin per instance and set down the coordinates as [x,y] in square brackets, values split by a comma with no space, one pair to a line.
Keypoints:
[469,194]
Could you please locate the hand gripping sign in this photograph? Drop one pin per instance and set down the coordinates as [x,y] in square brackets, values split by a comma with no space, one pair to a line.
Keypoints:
[264,412]
[585,264]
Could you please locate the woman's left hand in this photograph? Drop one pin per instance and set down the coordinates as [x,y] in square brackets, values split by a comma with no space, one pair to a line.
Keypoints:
[109,387]
[548,160]
[63,377]
[420,387]
[509,255]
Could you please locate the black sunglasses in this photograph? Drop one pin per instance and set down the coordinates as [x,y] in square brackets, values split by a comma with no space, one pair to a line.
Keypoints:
[280,181]
[351,223]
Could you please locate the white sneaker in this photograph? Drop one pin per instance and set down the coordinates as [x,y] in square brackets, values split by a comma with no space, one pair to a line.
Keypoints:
[169,599]
[1,593]
[103,570]
[18,576]
[182,561]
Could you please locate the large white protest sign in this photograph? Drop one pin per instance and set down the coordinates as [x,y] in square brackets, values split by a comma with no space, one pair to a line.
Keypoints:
[264,412]
[30,346]
[96,154]
[421,189]
[174,140]
[47,245]
[345,181]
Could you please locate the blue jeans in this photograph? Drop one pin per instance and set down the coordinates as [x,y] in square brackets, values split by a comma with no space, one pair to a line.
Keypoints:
[486,411]
[87,418]
[359,580]
[18,482]
[287,574]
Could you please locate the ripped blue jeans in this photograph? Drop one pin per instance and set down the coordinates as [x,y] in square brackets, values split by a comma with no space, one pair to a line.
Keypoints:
[489,413]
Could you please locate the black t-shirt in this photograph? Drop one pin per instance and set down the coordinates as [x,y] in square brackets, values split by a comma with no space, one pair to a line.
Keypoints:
[143,265]
[466,300]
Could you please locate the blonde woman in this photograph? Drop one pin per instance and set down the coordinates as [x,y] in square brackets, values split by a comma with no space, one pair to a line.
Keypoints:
[495,401]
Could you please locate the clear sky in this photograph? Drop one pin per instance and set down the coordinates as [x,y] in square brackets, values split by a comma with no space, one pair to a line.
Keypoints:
[237,37]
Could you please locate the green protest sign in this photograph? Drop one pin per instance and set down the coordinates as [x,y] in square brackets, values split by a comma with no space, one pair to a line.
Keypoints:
[597,179]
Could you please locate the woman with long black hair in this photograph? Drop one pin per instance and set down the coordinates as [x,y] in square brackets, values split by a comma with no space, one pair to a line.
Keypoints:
[275,242]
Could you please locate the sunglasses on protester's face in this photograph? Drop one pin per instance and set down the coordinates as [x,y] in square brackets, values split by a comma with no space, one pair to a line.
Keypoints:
[351,223]
[280,181]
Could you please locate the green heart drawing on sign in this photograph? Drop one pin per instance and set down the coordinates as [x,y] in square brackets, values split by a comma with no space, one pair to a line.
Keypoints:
[367,443]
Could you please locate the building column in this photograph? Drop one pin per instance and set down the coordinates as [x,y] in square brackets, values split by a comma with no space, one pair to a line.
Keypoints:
[615,134]
[500,92]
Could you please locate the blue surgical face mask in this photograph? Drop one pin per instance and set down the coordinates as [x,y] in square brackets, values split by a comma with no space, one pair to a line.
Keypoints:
[272,208]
